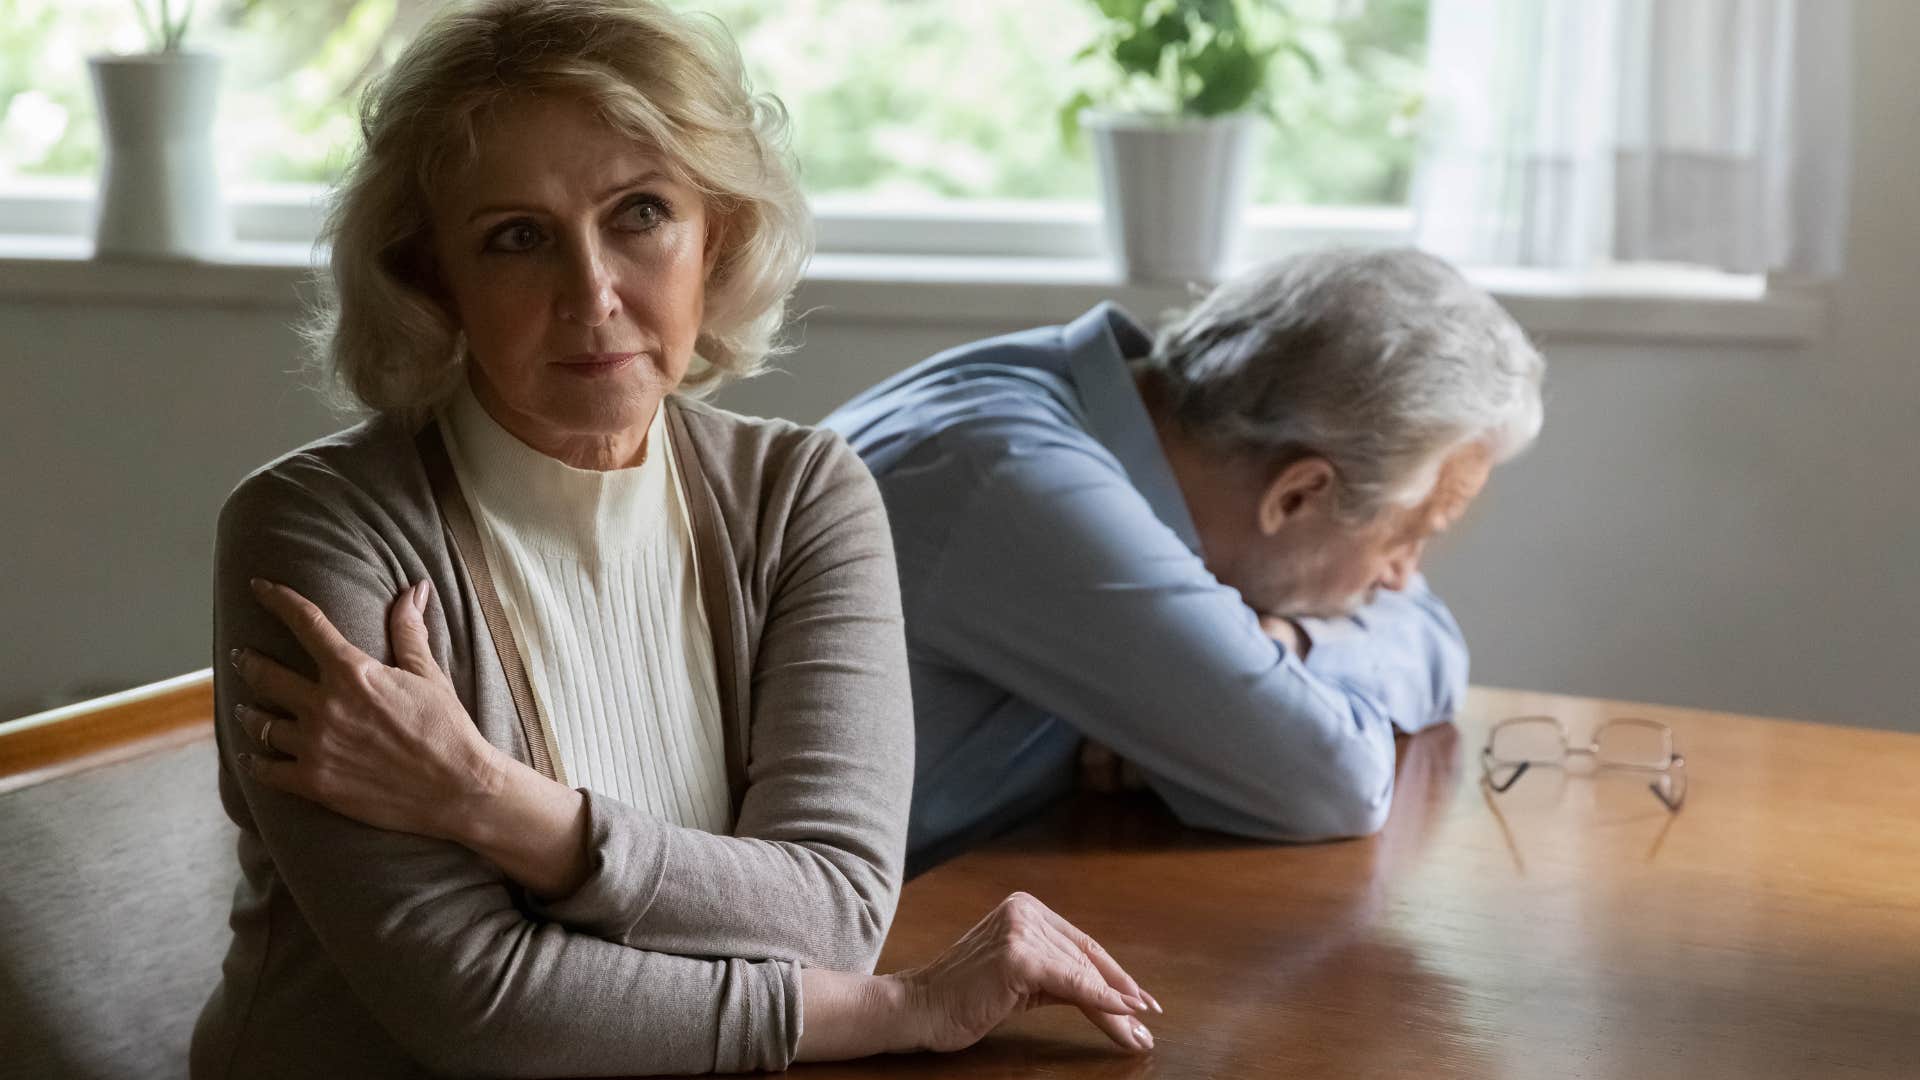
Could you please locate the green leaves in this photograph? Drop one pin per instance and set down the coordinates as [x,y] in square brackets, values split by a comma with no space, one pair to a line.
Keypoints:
[1140,47]
[1229,76]
[1222,15]
[166,30]
[1070,117]
[1184,57]
[1122,11]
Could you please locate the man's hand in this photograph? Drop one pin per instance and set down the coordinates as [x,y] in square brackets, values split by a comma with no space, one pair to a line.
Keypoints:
[1286,632]
[1104,771]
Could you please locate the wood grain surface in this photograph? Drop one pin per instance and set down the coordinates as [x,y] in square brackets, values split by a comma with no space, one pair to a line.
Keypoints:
[1569,928]
[146,719]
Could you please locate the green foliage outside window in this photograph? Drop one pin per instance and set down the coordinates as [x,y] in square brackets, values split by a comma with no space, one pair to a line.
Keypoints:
[165,25]
[1194,58]
[905,99]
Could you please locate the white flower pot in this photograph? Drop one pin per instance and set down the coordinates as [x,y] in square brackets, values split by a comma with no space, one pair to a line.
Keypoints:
[159,188]
[1174,191]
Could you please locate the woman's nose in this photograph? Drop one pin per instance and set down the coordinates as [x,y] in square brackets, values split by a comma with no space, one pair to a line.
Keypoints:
[588,296]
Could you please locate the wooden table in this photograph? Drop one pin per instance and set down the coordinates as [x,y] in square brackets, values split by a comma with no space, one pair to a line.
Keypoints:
[1569,928]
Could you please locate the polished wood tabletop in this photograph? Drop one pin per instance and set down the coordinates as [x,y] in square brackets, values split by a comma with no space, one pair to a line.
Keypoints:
[1571,927]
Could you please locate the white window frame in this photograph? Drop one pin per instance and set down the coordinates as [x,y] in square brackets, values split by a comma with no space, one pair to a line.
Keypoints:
[993,262]
[61,208]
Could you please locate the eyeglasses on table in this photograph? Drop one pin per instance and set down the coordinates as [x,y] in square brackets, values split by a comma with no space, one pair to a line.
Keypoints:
[1624,744]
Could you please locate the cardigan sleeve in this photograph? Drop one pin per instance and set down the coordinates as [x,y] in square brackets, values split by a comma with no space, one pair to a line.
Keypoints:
[812,872]
[425,933]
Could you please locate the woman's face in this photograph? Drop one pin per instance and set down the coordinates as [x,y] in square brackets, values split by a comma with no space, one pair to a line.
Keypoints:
[576,265]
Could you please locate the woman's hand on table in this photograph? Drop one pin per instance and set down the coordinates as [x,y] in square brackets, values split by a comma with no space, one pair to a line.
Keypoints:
[1022,956]
[388,746]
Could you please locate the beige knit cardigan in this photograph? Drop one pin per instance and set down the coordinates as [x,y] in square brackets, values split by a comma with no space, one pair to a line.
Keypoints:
[368,953]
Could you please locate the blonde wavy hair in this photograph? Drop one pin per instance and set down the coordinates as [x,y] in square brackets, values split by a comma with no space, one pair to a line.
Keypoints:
[672,81]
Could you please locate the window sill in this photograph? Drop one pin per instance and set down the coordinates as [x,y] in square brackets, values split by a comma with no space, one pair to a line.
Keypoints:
[62,269]
[1627,305]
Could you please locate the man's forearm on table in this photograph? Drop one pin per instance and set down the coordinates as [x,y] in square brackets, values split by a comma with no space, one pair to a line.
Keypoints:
[1404,653]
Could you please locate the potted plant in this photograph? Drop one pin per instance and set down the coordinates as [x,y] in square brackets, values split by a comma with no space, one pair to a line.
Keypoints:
[1171,105]
[159,188]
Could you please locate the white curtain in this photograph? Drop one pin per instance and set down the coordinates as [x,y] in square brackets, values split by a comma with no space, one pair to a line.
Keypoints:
[1572,133]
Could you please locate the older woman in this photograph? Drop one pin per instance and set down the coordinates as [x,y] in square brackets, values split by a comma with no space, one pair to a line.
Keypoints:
[631,795]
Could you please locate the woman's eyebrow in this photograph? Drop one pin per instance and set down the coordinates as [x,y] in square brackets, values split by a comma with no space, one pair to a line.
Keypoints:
[624,185]
[644,178]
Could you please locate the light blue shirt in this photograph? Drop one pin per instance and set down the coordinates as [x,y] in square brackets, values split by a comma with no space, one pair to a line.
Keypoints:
[1054,590]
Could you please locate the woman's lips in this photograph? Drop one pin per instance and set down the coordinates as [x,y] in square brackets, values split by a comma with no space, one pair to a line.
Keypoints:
[589,365]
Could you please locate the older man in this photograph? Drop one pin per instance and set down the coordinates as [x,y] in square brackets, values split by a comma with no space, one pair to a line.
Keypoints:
[1200,550]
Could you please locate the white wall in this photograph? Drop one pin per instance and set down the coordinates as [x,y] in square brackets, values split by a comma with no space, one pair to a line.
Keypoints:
[125,426]
[1723,527]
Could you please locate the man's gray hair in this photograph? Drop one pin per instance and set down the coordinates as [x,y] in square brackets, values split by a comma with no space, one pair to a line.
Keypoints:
[1380,361]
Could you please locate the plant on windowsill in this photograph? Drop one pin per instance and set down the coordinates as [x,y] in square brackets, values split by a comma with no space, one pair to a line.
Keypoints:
[159,191]
[1173,104]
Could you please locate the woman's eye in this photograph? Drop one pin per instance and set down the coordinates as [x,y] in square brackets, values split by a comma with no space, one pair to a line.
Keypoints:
[643,213]
[514,236]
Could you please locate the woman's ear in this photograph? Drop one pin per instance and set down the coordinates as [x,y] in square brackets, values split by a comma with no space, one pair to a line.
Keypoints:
[1304,486]
[432,283]
[411,263]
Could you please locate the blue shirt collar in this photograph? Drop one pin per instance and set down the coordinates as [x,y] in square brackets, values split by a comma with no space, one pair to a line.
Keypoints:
[1098,345]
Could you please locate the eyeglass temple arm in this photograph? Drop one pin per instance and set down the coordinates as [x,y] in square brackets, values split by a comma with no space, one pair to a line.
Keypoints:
[1519,770]
[1670,803]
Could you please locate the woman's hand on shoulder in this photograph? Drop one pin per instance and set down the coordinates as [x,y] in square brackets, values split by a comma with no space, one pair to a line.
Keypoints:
[388,746]
[1023,956]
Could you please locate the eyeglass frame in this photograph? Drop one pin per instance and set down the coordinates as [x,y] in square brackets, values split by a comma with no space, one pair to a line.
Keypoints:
[1676,765]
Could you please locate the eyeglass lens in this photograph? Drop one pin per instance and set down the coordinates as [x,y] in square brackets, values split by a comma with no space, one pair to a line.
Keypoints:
[1536,739]
[1637,744]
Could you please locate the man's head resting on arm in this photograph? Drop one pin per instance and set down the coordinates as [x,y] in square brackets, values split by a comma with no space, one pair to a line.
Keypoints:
[1329,414]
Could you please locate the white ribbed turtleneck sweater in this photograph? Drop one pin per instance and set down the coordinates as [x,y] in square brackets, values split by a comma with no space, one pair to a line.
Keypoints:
[596,572]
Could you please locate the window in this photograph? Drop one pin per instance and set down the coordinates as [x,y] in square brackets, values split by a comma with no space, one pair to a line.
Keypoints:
[291,71]
[960,100]
[916,111]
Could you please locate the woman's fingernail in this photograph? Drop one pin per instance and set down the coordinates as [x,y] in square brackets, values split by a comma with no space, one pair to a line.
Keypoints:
[1143,1036]
[233,655]
[420,597]
[1151,1000]
[245,759]
[258,585]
